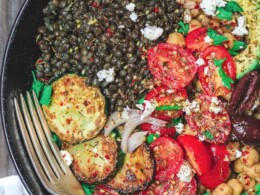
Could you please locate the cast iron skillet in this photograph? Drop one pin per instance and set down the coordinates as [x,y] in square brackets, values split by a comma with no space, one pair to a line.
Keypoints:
[20,56]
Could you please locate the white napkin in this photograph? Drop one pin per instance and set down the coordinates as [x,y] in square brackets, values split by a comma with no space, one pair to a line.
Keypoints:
[12,186]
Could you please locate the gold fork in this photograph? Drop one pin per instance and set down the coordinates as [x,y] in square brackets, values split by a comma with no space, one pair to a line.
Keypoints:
[45,156]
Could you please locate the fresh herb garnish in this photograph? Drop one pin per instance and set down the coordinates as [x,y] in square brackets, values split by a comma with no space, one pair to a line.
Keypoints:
[56,139]
[226,80]
[88,189]
[244,193]
[223,14]
[217,38]
[208,135]
[141,101]
[175,122]
[233,6]
[37,86]
[152,137]
[206,193]
[237,46]
[168,108]
[183,28]
[257,188]
[46,95]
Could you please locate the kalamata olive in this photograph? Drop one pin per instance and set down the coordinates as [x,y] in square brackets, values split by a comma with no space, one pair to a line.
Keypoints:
[246,129]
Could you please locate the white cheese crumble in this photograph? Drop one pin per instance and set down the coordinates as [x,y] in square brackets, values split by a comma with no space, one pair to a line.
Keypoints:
[126,113]
[187,18]
[240,30]
[130,7]
[179,128]
[152,32]
[226,158]
[206,70]
[214,106]
[185,173]
[215,100]
[202,138]
[66,157]
[148,109]
[207,39]
[189,107]
[200,62]
[209,7]
[107,75]
[169,91]
[238,153]
[133,16]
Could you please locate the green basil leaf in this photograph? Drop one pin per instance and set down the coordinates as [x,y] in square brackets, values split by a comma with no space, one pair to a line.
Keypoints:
[56,139]
[244,193]
[37,86]
[233,6]
[217,38]
[168,108]
[223,14]
[232,52]
[238,45]
[46,95]
[257,187]
[208,135]
[257,193]
[219,63]
[175,121]
[141,101]
[152,137]
[88,189]
[206,193]
[183,28]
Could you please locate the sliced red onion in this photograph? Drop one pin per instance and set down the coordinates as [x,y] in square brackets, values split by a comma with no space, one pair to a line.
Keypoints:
[131,125]
[136,139]
[117,118]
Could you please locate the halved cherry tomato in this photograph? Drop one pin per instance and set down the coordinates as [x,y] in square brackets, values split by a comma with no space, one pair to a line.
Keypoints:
[168,156]
[167,131]
[195,40]
[174,186]
[104,190]
[209,77]
[197,153]
[172,65]
[163,96]
[220,169]
[210,120]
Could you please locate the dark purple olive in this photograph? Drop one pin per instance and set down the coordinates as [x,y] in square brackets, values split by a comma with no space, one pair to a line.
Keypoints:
[246,129]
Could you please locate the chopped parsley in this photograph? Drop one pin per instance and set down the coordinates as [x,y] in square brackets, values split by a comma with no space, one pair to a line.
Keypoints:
[152,137]
[257,188]
[56,139]
[237,46]
[183,28]
[233,6]
[217,38]
[226,80]
[141,101]
[88,189]
[175,122]
[226,13]
[167,107]
[208,135]
[37,86]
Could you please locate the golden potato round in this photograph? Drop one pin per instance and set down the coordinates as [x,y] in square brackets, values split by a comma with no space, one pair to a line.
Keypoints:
[236,185]
[232,148]
[253,171]
[223,189]
[246,181]
[194,12]
[177,39]
[249,156]
[194,24]
[239,167]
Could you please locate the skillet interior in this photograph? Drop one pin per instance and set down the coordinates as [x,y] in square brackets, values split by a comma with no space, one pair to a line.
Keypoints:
[20,56]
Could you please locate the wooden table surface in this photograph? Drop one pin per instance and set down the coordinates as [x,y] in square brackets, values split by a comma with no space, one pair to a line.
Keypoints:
[8,12]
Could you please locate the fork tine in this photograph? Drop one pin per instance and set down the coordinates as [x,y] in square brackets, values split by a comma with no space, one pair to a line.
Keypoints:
[29,146]
[47,132]
[36,144]
[45,145]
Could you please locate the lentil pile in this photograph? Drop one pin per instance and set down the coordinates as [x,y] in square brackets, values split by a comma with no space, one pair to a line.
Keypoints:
[88,36]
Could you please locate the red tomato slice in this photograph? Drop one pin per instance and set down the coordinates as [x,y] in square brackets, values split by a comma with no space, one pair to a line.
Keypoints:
[163,96]
[197,153]
[172,65]
[173,187]
[167,131]
[195,40]
[168,156]
[211,119]
[104,190]
[209,77]
[220,170]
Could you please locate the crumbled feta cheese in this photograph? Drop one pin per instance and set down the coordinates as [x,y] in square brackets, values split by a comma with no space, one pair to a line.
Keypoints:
[126,113]
[206,70]
[140,106]
[215,100]
[238,154]
[226,158]
[108,75]
[215,109]
[66,157]
[95,150]
[148,109]
[121,26]
[202,138]
[200,62]
[185,173]
[169,91]
[133,16]
[207,39]
[240,30]
[210,7]
[179,128]
[187,18]
[152,32]
[193,106]
[130,7]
